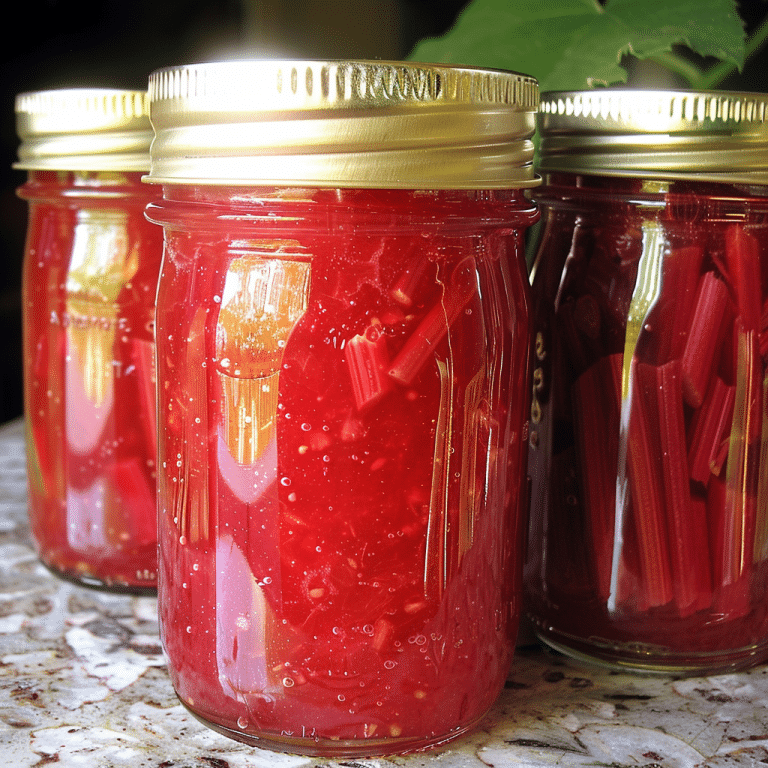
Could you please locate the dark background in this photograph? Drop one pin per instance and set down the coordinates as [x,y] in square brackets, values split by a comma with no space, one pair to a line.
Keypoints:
[117,43]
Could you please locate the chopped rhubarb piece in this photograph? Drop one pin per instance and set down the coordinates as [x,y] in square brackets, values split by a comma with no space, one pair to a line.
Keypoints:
[686,525]
[134,518]
[742,252]
[743,458]
[707,326]
[436,554]
[700,518]
[731,596]
[596,414]
[383,632]
[709,431]
[45,441]
[760,549]
[596,411]
[367,361]
[406,286]
[647,500]
[572,563]
[580,349]
[672,319]
[764,332]
[715,507]
[741,355]
[420,347]
[143,357]
[719,459]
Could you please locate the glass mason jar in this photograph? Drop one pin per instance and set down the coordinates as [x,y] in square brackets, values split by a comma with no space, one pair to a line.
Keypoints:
[649,430]
[90,274]
[343,348]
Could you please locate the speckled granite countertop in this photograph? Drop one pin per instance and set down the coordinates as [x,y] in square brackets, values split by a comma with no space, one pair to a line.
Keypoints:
[83,683]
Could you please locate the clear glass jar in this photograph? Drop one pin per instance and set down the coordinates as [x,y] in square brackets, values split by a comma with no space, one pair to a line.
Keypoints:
[342,375]
[90,274]
[648,540]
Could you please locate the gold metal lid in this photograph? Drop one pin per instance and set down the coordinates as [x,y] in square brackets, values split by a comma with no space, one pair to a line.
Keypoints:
[664,134]
[342,124]
[83,129]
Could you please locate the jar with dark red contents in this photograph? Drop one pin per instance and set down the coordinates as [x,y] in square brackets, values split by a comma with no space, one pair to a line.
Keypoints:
[649,430]
[343,349]
[90,274]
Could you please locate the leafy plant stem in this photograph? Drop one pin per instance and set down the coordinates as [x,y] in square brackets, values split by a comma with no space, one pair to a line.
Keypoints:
[678,65]
[716,74]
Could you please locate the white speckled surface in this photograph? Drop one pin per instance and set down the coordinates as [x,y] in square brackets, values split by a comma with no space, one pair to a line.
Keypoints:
[83,683]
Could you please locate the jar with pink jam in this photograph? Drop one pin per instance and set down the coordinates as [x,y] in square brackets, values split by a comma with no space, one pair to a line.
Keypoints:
[343,345]
[90,273]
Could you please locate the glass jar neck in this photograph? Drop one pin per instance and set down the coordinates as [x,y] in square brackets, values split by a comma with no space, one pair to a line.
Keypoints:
[53,186]
[352,210]
[693,200]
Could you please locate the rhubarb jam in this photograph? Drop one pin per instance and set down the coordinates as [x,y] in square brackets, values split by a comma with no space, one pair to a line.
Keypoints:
[342,378]
[89,281]
[648,541]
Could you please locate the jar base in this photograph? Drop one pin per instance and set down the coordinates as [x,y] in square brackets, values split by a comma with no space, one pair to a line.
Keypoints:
[91,582]
[331,748]
[633,658]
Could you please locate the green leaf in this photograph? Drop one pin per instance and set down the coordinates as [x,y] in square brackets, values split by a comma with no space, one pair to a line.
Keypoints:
[573,44]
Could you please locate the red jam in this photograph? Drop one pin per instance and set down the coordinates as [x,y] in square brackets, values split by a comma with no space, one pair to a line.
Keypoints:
[649,434]
[90,277]
[342,396]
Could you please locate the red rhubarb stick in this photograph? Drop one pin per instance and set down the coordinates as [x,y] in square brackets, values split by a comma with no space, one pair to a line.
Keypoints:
[686,522]
[731,598]
[420,346]
[596,415]
[407,284]
[743,458]
[760,551]
[704,335]
[581,350]
[134,515]
[570,565]
[709,431]
[672,320]
[367,362]
[764,331]
[143,358]
[742,253]
[647,500]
